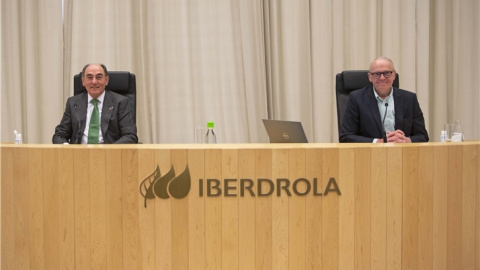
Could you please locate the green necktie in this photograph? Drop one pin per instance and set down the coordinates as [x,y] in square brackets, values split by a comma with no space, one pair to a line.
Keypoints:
[94,126]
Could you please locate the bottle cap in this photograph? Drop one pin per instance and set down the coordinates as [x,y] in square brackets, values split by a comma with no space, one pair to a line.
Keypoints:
[210,125]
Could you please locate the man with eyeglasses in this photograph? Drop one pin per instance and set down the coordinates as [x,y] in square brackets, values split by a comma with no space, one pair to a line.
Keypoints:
[380,113]
[98,115]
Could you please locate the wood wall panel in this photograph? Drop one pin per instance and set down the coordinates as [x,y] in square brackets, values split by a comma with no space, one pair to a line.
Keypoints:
[313,208]
[114,209]
[378,208]
[51,201]
[425,207]
[8,211]
[246,212]
[401,207]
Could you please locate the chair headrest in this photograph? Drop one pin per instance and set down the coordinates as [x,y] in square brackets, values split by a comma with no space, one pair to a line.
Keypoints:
[119,81]
[122,82]
[356,79]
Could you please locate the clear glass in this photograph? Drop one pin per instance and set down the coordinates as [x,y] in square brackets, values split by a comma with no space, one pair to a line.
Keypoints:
[448,132]
[457,133]
[200,133]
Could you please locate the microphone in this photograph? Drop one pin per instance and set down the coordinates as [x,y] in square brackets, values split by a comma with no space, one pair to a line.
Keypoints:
[383,123]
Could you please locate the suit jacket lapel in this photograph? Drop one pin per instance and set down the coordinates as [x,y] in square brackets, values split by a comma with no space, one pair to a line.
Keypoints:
[373,105]
[80,113]
[107,110]
[398,109]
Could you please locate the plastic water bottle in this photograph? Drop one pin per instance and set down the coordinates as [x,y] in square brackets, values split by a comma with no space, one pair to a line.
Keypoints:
[210,136]
[18,137]
[443,136]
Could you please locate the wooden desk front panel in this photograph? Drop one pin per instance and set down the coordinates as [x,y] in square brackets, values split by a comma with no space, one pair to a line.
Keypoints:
[402,207]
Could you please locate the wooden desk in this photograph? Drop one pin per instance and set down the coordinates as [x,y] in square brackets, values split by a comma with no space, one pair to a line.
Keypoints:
[411,206]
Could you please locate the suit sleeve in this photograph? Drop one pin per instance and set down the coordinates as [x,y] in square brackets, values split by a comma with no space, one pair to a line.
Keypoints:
[126,125]
[63,132]
[351,122]
[419,133]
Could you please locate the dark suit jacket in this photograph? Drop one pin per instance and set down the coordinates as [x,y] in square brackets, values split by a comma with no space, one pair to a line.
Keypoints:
[362,121]
[117,123]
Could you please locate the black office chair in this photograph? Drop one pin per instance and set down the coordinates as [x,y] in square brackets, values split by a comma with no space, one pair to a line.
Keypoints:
[121,82]
[346,82]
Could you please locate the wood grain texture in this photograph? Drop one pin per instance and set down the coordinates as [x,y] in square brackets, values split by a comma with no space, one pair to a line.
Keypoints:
[379,208]
[249,207]
[66,208]
[246,212]
[8,210]
[313,209]
[425,207]
[410,208]
[114,209]
[440,202]
[51,218]
[346,208]
[330,210]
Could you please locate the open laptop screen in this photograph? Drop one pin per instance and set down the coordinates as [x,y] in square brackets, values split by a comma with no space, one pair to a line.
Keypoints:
[280,131]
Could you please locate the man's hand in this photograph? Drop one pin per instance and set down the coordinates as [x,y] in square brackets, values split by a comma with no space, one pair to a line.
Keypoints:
[397,136]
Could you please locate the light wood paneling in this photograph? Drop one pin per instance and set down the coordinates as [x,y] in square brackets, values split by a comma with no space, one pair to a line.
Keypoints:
[394,207]
[379,208]
[8,210]
[146,217]
[213,210]
[35,206]
[114,209]
[66,208]
[246,212]
[313,209]
[163,215]
[401,207]
[196,215]
[346,208]
[263,211]
[410,208]
[130,209]
[230,209]
[425,207]
[98,222]
[51,218]
[469,181]
[330,210]
[440,202]
[280,212]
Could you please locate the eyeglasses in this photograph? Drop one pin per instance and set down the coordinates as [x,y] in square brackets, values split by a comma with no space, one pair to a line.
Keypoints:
[385,74]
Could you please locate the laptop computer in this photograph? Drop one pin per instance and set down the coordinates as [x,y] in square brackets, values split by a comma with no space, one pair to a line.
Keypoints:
[280,131]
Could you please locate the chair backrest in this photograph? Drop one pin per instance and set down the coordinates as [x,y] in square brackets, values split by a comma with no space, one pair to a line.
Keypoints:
[121,82]
[348,81]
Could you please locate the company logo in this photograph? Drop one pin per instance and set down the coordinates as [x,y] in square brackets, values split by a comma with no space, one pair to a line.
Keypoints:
[166,186]
[170,185]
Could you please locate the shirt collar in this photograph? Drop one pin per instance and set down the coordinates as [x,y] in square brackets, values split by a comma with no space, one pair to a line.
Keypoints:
[100,98]
[379,98]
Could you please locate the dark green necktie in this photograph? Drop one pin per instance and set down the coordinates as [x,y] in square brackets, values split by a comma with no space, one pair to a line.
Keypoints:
[94,126]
